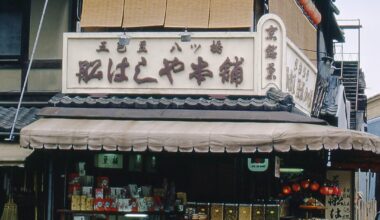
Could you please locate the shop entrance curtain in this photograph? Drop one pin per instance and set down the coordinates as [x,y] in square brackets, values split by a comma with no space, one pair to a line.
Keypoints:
[191,136]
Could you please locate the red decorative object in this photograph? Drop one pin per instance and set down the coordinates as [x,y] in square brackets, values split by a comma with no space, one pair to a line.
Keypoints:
[335,190]
[305,184]
[339,193]
[330,191]
[296,187]
[314,186]
[286,190]
[324,190]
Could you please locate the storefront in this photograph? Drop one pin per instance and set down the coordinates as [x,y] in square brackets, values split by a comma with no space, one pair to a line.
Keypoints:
[221,118]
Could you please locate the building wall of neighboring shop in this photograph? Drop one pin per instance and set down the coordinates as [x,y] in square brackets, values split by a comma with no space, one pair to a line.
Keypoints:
[48,52]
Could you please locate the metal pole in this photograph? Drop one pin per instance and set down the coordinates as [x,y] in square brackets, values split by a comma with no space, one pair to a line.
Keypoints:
[10,138]
[50,189]
[358,70]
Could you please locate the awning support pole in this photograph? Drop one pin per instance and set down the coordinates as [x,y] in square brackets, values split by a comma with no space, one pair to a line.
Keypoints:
[50,189]
[11,135]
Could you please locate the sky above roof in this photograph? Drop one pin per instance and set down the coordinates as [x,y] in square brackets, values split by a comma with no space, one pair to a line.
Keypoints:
[368,11]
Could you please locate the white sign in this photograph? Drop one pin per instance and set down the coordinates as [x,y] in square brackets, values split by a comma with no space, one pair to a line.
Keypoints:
[300,78]
[339,207]
[159,63]
[212,63]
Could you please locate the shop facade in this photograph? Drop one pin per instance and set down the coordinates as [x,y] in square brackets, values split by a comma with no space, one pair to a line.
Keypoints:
[197,126]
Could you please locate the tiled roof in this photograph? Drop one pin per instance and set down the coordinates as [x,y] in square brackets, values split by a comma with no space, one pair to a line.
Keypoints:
[170,103]
[25,117]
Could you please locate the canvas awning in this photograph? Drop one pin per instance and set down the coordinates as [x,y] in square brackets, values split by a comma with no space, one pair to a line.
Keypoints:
[13,155]
[189,136]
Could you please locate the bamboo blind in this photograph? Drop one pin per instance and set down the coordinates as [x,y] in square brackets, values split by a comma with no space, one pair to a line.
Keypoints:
[298,28]
[187,13]
[231,13]
[144,13]
[102,13]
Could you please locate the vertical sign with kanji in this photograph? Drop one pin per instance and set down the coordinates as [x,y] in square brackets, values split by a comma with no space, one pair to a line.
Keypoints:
[339,207]
[272,47]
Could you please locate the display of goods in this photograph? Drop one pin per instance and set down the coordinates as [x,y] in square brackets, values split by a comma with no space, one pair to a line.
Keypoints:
[83,199]
[143,207]
[99,204]
[123,205]
[216,211]
[87,191]
[324,190]
[99,193]
[110,205]
[305,184]
[335,190]
[286,190]
[102,182]
[89,204]
[245,212]
[231,212]
[75,203]
[203,208]
[314,186]
[296,187]
[330,191]
[150,203]
[134,205]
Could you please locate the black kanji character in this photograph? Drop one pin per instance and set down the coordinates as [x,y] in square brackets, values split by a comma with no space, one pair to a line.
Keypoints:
[200,72]
[86,74]
[271,70]
[216,47]
[137,72]
[119,77]
[174,66]
[233,76]
[142,47]
[103,47]
[271,31]
[270,52]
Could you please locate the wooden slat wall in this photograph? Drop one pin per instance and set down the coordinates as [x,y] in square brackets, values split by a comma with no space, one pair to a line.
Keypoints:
[298,28]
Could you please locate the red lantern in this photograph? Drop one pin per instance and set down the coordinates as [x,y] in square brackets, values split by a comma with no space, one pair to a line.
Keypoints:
[286,190]
[330,190]
[335,190]
[305,184]
[339,193]
[314,186]
[296,187]
[324,190]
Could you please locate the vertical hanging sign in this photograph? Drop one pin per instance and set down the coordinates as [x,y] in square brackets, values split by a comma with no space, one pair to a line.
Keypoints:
[339,207]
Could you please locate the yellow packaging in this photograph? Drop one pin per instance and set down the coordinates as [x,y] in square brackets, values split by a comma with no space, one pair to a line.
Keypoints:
[245,212]
[75,203]
[89,204]
[83,199]
[216,211]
